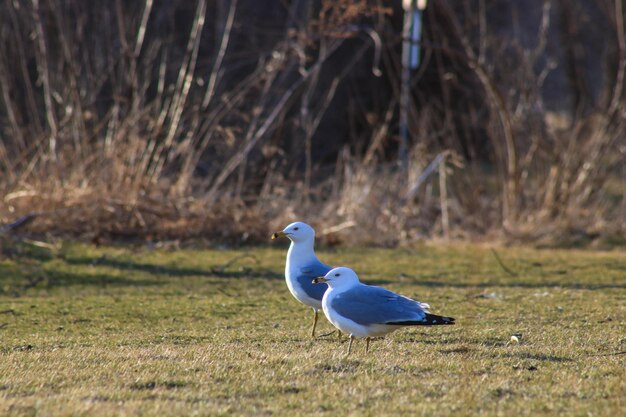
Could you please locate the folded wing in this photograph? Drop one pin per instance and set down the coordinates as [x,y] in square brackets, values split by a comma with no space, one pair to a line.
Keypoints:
[366,304]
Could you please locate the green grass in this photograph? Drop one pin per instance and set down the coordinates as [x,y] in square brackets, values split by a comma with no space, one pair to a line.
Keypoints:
[117,331]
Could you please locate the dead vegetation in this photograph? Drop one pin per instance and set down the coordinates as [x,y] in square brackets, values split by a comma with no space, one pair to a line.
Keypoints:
[226,119]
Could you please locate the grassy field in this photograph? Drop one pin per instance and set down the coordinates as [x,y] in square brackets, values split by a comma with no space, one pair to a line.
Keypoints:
[116,331]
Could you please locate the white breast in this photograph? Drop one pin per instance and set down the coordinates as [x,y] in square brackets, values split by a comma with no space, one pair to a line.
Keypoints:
[292,271]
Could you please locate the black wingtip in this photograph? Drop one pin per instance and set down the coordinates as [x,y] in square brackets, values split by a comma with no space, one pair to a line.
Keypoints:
[429,320]
[433,319]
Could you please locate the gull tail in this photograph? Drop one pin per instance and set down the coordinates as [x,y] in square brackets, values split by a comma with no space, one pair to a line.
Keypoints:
[429,320]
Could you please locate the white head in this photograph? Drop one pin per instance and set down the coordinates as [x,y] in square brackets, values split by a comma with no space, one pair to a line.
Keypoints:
[341,277]
[297,232]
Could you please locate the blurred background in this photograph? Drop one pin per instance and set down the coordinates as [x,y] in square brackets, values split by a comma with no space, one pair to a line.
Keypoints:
[225,120]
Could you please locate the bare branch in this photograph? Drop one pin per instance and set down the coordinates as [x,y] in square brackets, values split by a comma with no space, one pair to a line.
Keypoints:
[42,68]
[217,66]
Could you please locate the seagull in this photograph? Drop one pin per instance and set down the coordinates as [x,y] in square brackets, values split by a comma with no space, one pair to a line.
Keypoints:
[302,266]
[366,311]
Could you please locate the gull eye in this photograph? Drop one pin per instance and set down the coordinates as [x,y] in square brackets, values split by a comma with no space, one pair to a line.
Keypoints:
[337,274]
[295,228]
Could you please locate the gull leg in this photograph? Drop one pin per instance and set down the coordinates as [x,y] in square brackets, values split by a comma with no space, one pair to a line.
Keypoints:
[325,334]
[367,344]
[350,345]
[314,322]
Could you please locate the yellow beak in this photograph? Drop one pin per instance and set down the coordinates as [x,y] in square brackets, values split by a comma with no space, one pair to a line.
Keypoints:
[278,234]
[319,280]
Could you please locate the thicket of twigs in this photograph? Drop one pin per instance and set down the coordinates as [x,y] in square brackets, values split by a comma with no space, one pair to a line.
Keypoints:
[226,119]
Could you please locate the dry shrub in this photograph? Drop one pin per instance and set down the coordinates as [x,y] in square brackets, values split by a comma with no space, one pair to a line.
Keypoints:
[202,120]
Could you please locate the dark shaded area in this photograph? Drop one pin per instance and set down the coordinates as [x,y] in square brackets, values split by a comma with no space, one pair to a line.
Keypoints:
[16,280]
[165,119]
[541,357]
[174,271]
[29,260]
[543,284]
[150,385]
[64,279]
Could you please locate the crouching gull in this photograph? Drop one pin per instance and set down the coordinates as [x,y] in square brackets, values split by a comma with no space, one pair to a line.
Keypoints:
[302,266]
[366,311]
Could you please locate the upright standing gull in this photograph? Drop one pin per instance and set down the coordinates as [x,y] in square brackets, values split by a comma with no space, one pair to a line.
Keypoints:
[302,266]
[367,311]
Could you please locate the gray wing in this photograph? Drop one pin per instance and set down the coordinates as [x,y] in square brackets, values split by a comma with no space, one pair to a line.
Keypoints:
[366,304]
[305,278]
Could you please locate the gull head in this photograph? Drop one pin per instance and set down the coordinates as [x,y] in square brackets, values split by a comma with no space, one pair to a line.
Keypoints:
[297,232]
[341,277]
